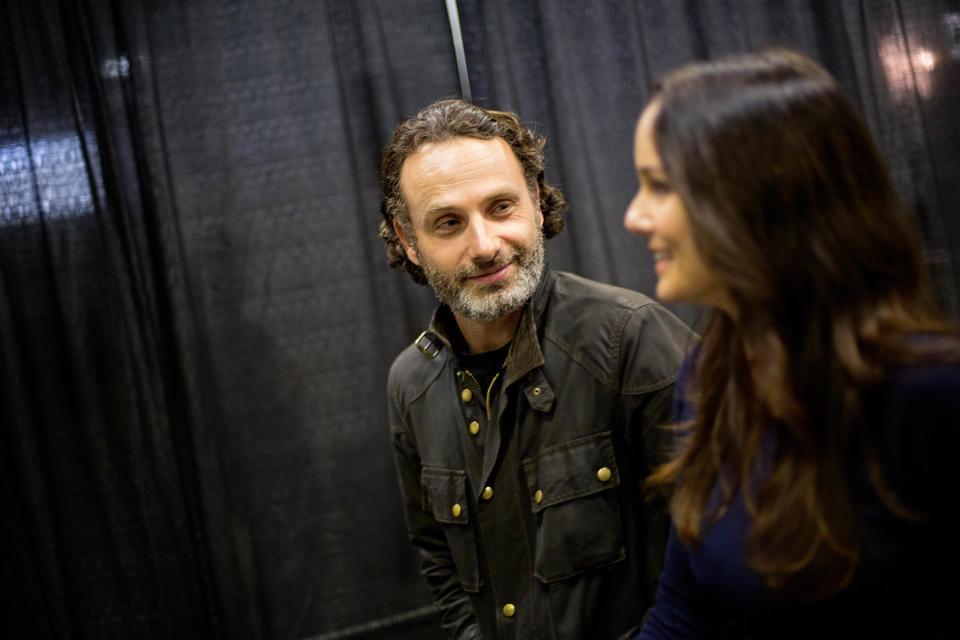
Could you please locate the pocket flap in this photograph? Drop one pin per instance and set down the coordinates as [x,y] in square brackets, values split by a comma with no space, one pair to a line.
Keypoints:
[444,492]
[572,469]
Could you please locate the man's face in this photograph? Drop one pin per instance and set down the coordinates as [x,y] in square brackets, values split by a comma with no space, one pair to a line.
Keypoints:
[477,228]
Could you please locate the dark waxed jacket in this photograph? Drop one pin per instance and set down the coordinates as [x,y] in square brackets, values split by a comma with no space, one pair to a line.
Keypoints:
[535,525]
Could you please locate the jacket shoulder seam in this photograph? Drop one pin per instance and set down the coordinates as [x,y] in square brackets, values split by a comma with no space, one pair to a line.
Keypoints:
[406,368]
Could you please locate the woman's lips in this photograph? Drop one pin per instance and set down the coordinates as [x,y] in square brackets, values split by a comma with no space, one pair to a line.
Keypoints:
[661,259]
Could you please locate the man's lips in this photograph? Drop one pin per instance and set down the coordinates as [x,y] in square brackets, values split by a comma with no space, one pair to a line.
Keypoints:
[493,276]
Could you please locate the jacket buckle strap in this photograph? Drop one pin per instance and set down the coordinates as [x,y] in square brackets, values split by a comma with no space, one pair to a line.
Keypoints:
[427,346]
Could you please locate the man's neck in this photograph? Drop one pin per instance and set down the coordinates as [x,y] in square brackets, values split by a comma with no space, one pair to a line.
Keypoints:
[484,336]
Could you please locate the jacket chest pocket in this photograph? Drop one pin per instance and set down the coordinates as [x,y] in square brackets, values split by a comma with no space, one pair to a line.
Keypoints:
[575,507]
[444,493]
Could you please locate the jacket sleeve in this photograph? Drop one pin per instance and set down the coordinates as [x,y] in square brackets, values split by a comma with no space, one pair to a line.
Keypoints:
[436,561]
[652,348]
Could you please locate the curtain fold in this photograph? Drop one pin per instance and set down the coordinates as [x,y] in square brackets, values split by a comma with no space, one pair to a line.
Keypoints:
[196,318]
[111,447]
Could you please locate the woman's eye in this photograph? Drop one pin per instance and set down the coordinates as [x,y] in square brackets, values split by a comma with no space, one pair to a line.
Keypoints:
[659,187]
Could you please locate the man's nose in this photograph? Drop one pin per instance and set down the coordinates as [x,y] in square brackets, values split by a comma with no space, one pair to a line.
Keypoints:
[484,242]
[636,219]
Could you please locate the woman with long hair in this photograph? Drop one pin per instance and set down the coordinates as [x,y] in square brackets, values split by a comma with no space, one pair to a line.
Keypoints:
[818,417]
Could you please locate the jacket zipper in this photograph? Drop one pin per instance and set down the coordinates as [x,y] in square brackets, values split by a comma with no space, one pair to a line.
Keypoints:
[480,389]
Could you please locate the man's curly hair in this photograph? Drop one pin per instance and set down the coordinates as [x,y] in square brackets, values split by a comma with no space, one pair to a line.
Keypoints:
[444,120]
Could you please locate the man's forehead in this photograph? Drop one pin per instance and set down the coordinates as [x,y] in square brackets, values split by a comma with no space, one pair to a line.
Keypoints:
[459,147]
[459,166]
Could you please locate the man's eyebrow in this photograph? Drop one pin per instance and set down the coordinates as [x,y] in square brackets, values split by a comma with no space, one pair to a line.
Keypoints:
[505,194]
[441,208]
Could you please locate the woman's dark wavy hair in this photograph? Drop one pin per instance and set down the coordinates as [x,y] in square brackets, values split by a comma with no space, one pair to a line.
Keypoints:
[444,120]
[791,205]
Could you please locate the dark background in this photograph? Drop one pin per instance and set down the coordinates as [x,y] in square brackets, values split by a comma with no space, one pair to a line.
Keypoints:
[196,319]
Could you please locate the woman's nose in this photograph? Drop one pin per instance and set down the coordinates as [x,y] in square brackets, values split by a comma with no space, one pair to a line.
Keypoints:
[636,219]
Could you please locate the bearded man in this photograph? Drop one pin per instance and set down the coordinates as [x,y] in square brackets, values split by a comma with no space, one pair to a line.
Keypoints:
[525,418]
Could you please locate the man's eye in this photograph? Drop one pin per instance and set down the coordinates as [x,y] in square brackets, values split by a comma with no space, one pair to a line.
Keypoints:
[503,207]
[446,224]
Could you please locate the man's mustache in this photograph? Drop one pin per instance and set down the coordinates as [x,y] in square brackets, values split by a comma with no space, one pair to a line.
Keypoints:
[495,263]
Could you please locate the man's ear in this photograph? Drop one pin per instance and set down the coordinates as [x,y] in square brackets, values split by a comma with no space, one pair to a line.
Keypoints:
[411,252]
[536,202]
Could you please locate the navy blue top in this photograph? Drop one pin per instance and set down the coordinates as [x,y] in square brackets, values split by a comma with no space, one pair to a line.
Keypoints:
[906,583]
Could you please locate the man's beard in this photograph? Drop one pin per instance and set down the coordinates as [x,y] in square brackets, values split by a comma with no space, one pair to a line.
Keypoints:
[485,302]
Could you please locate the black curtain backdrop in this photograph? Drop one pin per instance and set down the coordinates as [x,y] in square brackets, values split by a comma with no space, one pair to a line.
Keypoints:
[196,319]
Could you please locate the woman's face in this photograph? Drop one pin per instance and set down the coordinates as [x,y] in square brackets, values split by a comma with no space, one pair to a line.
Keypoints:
[658,213]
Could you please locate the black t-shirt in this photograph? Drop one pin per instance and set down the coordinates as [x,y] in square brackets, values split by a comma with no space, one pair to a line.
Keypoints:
[484,366]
